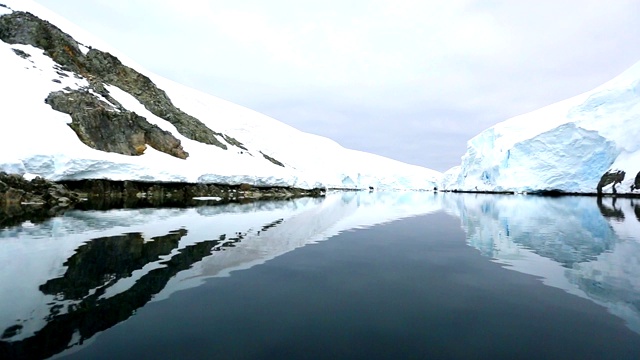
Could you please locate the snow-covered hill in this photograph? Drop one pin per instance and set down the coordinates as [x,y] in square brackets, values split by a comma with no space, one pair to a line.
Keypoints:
[114,120]
[586,144]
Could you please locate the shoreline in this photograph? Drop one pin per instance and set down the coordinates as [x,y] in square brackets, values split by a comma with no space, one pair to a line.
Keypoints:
[548,193]
[40,199]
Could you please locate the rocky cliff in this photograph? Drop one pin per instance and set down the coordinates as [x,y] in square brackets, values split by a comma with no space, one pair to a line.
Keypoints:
[98,119]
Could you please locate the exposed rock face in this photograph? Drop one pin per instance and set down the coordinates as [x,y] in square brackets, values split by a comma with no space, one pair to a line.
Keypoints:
[636,182]
[274,161]
[100,67]
[610,177]
[105,128]
[129,193]
[34,200]
[110,70]
[15,190]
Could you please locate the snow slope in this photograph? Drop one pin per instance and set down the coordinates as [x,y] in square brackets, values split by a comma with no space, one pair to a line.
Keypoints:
[38,140]
[567,146]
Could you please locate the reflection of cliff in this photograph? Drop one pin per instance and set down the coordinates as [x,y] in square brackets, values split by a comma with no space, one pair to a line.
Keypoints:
[588,247]
[103,261]
[73,289]
[92,270]
[94,314]
[610,211]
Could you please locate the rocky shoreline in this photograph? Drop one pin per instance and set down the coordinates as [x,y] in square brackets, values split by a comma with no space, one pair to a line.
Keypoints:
[39,199]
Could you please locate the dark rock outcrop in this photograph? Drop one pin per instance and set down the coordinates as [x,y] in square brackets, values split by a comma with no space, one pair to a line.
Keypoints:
[636,183]
[108,193]
[274,161]
[100,67]
[610,177]
[103,127]
[15,190]
[34,200]
[21,53]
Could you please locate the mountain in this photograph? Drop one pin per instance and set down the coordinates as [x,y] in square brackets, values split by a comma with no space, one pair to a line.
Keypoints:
[72,108]
[586,144]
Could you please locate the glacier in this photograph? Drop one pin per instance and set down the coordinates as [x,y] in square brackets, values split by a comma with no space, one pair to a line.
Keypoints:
[38,141]
[585,144]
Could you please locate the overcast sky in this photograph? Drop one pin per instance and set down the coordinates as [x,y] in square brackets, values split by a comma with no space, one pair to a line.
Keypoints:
[408,79]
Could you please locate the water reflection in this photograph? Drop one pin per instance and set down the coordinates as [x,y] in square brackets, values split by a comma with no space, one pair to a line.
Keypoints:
[588,247]
[68,278]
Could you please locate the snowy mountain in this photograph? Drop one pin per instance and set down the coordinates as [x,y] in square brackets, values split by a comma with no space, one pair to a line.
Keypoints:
[72,108]
[586,144]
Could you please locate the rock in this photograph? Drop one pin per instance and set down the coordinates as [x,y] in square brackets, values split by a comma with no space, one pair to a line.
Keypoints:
[610,177]
[274,161]
[103,127]
[101,67]
[636,182]
[13,196]
[21,53]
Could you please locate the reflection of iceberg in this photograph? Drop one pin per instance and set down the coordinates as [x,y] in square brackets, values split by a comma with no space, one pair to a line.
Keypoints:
[87,271]
[587,247]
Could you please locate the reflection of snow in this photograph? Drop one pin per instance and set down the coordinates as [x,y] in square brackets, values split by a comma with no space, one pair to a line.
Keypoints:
[586,247]
[245,234]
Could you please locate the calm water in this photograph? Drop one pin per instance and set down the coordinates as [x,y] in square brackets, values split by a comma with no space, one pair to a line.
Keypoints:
[368,275]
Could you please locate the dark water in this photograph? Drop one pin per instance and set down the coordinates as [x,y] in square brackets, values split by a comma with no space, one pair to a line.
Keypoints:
[438,284]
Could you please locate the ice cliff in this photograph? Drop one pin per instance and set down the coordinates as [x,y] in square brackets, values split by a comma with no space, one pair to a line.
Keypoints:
[586,144]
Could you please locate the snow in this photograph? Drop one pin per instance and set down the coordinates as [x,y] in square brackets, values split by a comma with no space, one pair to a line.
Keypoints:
[206,198]
[566,146]
[54,151]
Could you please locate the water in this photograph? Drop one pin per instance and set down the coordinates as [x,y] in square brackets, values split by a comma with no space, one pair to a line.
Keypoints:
[355,275]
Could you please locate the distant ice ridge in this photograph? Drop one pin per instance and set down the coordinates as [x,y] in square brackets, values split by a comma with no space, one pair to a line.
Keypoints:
[567,146]
[38,140]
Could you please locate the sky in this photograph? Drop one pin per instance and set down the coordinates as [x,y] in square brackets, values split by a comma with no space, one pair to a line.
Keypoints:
[412,80]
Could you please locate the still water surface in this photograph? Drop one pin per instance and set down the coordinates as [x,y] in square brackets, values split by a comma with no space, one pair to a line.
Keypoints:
[355,275]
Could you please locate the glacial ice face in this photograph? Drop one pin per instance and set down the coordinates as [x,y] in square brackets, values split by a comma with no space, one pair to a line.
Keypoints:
[568,146]
[542,162]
